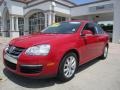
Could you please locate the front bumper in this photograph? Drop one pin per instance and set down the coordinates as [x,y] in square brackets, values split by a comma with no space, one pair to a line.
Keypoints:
[31,67]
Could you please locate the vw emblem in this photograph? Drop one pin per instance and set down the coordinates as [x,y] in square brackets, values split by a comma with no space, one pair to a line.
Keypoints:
[12,48]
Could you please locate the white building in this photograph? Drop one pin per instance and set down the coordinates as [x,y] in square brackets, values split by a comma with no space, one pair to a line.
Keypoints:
[21,17]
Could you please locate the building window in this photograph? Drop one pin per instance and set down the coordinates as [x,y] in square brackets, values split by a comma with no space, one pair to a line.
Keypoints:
[21,26]
[59,19]
[36,22]
[8,27]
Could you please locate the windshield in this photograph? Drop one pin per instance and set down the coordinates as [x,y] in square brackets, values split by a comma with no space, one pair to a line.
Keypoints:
[62,28]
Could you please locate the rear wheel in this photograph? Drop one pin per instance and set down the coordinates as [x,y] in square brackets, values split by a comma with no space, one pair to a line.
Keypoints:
[105,53]
[67,67]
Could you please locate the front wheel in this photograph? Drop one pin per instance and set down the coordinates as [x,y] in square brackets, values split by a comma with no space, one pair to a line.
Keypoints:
[67,67]
[105,53]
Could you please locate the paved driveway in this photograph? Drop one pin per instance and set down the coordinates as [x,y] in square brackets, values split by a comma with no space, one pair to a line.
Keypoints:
[95,75]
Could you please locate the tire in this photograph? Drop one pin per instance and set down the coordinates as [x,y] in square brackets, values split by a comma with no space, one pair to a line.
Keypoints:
[68,67]
[105,53]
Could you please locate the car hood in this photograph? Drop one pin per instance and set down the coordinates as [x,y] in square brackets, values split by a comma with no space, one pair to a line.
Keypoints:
[31,40]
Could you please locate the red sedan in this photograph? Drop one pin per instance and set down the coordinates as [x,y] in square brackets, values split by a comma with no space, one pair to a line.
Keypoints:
[57,50]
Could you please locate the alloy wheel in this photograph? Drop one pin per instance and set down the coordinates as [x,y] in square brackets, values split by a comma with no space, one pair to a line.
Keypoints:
[69,66]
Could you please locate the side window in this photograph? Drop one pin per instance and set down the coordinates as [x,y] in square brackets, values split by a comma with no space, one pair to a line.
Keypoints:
[90,26]
[99,30]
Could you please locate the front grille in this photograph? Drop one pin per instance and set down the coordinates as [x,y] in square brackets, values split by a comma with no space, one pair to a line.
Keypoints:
[10,65]
[14,51]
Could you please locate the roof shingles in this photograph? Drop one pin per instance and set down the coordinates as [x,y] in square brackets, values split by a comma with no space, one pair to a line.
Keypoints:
[24,1]
[28,1]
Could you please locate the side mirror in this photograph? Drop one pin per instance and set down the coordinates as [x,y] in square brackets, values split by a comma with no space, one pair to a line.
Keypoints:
[87,33]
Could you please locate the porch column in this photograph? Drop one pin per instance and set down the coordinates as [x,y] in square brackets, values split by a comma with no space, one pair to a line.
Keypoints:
[0,26]
[26,26]
[49,18]
[17,27]
[53,16]
[116,30]
[46,20]
[12,23]
[14,27]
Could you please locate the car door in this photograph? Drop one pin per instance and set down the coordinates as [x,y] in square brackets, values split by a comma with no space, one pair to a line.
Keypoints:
[101,38]
[91,43]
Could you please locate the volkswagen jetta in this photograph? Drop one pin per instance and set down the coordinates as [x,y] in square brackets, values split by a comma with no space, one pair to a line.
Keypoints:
[57,50]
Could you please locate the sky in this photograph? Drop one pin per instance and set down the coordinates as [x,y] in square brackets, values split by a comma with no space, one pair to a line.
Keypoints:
[82,1]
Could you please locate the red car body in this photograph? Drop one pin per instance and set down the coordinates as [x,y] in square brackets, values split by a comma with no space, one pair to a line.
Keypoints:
[86,47]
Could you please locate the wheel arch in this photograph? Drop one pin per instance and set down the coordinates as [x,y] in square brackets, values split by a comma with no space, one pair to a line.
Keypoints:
[72,51]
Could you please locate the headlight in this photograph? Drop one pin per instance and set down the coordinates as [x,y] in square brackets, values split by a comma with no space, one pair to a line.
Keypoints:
[38,50]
